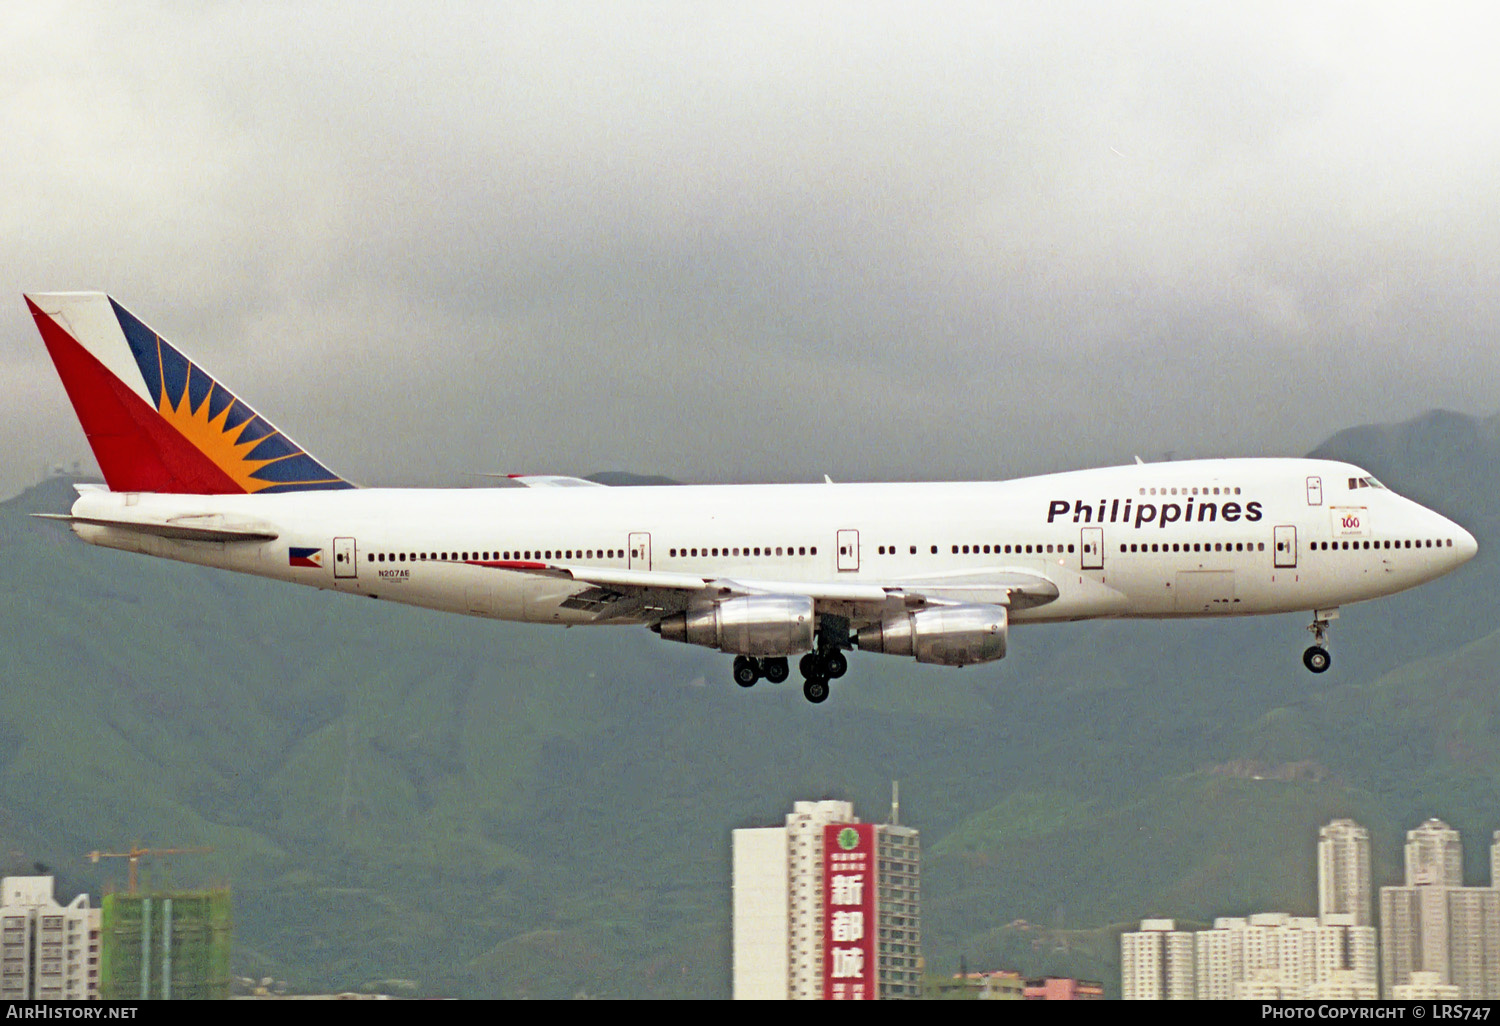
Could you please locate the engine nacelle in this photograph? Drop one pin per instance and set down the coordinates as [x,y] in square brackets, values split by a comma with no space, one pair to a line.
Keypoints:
[947,635]
[755,625]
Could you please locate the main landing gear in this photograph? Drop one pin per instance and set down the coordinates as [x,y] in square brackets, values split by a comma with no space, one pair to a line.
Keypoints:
[824,663]
[748,670]
[1316,658]
[818,668]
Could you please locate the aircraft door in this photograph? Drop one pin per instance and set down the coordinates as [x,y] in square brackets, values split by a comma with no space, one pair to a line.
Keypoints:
[1093,548]
[640,551]
[848,546]
[1315,491]
[345,558]
[1286,546]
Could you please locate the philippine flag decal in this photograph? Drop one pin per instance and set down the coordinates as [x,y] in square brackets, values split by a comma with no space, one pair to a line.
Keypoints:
[305,557]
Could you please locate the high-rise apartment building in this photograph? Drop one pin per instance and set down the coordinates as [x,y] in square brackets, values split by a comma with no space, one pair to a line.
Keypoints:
[1271,955]
[806,855]
[1419,930]
[1434,856]
[48,952]
[1285,957]
[1157,963]
[1344,872]
[1474,942]
[826,906]
[1435,932]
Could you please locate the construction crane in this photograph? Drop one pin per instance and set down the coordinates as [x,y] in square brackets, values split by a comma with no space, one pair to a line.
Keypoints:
[135,853]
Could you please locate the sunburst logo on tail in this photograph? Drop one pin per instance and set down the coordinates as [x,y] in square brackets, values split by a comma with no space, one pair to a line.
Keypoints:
[252,453]
[211,435]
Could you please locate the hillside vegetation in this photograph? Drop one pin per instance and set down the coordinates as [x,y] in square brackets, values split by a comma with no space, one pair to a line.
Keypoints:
[500,810]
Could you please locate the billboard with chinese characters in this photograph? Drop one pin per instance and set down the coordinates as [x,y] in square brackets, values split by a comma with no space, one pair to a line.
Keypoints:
[849,926]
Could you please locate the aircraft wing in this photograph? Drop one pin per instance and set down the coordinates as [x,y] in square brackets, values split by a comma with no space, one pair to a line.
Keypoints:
[613,593]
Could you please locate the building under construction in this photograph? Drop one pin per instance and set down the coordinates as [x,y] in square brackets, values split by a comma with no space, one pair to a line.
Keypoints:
[166,945]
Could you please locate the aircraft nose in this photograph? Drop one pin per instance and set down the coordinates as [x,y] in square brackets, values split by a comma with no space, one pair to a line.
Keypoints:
[1464,545]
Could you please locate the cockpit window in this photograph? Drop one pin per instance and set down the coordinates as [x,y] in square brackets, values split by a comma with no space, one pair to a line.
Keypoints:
[1364,482]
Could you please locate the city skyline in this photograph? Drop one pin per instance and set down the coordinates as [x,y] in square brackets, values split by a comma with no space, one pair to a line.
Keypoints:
[1436,938]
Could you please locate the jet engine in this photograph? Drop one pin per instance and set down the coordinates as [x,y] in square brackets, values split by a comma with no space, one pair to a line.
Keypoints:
[754,625]
[948,635]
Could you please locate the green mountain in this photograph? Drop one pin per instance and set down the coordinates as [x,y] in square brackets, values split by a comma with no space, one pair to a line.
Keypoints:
[462,807]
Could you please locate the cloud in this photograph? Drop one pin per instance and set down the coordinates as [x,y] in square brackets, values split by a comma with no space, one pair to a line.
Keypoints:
[768,243]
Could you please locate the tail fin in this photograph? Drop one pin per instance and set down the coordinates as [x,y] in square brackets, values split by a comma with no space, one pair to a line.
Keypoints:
[157,422]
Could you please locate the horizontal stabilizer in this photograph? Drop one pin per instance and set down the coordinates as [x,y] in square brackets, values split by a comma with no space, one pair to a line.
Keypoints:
[553,481]
[209,528]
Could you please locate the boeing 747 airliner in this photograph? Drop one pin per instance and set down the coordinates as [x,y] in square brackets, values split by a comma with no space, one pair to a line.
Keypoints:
[935,572]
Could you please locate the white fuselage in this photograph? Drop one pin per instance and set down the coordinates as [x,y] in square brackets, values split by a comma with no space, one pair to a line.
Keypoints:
[1193,538]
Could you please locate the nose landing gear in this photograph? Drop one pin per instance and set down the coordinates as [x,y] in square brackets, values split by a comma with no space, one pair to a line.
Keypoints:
[1316,658]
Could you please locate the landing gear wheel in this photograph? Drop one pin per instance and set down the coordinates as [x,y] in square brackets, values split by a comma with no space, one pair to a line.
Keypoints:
[834,664]
[776,670]
[746,671]
[1317,659]
[815,689]
[811,666]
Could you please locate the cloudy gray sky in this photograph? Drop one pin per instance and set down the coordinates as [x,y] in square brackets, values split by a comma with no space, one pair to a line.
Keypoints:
[764,242]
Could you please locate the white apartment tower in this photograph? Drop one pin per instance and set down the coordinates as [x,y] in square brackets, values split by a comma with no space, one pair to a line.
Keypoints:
[1437,933]
[761,914]
[48,952]
[783,884]
[1283,957]
[1344,872]
[1434,856]
[804,859]
[1474,942]
[1156,963]
[1414,924]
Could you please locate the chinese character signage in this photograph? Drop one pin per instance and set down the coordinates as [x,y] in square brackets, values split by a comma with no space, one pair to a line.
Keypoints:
[849,927]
